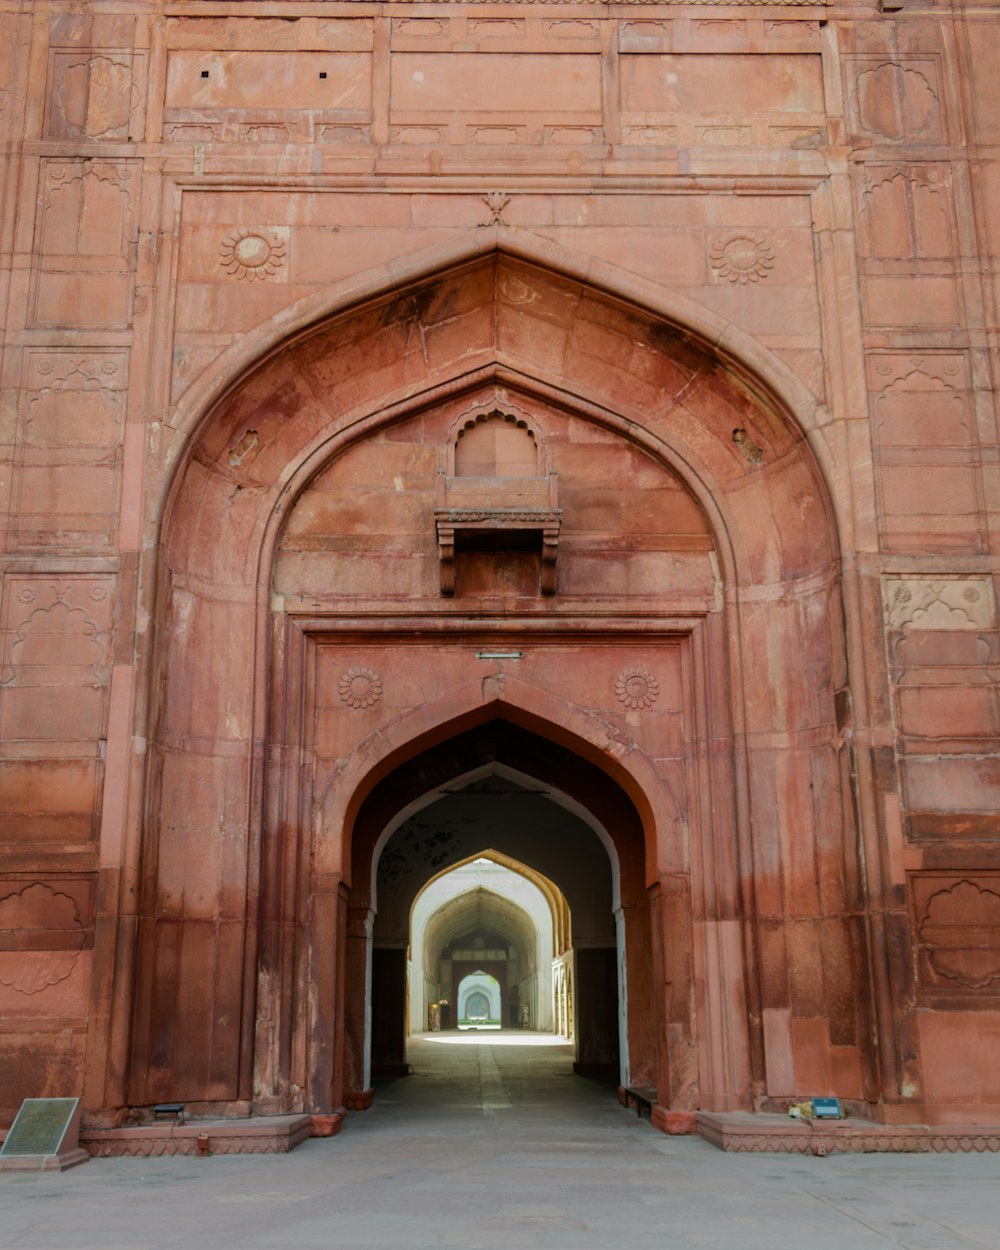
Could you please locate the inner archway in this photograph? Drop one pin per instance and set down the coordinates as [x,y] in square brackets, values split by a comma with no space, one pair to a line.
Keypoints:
[479,1001]
[537,805]
[488,910]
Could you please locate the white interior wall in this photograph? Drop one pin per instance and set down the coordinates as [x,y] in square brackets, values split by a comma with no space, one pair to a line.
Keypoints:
[485,983]
[480,874]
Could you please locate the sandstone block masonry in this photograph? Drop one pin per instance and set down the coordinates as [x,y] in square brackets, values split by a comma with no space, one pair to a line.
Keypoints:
[717,284]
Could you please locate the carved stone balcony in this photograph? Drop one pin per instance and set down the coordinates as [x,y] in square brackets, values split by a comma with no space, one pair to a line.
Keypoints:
[475,508]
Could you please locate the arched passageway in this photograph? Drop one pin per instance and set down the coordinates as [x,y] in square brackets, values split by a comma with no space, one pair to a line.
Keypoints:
[502,517]
[536,804]
[522,820]
[488,913]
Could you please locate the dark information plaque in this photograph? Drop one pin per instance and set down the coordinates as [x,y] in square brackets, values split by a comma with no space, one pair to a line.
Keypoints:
[44,1136]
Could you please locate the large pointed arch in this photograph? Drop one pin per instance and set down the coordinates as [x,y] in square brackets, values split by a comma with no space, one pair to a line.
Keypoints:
[753,364]
[234,770]
[460,709]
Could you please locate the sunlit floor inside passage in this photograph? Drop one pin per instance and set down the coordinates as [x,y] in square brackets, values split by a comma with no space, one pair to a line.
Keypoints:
[494,1144]
[461,1077]
[499,1037]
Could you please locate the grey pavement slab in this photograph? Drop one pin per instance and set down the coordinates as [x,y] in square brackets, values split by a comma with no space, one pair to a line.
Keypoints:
[494,1144]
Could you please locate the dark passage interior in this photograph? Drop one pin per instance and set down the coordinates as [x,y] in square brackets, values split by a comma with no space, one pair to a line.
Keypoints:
[500,814]
[502,795]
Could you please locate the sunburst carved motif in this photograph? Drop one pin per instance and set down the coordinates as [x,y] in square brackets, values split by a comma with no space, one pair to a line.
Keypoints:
[360,687]
[742,258]
[252,255]
[636,688]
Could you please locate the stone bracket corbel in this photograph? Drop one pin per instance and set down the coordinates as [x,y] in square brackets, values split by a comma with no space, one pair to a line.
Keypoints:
[545,524]
[550,550]
[446,550]
[470,505]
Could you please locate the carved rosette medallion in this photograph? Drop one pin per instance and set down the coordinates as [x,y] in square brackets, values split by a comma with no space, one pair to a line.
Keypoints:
[742,258]
[636,688]
[360,687]
[252,255]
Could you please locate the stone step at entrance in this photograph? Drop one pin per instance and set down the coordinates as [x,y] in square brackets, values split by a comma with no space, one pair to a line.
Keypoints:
[745,1132]
[276,1134]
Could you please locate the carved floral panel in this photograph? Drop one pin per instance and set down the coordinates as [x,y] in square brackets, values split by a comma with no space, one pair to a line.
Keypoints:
[957,923]
[55,640]
[895,100]
[939,603]
[95,95]
[68,448]
[85,230]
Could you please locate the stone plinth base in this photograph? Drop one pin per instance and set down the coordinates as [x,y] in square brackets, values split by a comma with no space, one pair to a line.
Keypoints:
[45,1163]
[261,1135]
[358,1099]
[741,1131]
[326,1125]
[676,1123]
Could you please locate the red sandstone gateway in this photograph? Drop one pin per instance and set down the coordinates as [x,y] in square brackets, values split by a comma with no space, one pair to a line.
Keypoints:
[521,435]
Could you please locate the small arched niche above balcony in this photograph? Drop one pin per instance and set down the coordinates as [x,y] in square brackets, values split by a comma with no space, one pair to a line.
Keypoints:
[497,491]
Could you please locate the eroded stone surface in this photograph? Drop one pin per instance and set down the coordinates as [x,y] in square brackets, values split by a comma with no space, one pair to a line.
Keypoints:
[731,296]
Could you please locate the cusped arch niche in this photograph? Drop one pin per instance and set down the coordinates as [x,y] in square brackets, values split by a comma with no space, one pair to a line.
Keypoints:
[304,504]
[387,521]
[497,493]
[495,443]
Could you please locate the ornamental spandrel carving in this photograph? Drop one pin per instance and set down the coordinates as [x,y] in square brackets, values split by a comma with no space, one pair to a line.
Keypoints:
[636,688]
[744,257]
[939,603]
[254,255]
[959,931]
[360,688]
[43,926]
[895,101]
[496,202]
[96,95]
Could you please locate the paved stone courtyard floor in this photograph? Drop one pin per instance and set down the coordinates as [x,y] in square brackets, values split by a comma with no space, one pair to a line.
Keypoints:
[493,1143]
